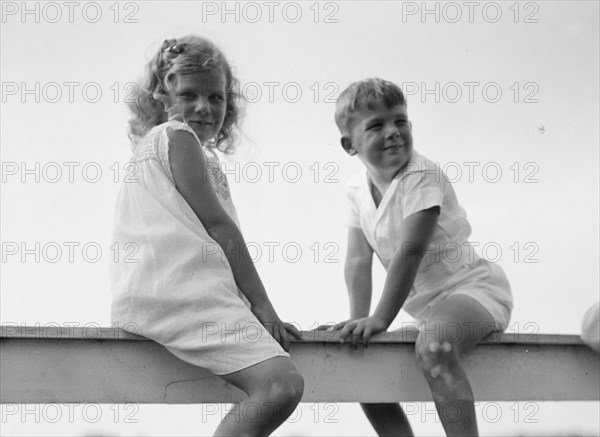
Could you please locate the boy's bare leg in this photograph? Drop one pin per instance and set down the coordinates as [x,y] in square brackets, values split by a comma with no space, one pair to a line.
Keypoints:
[274,388]
[456,326]
[388,420]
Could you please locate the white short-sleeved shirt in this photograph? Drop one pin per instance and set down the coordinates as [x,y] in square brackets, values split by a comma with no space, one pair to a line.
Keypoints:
[450,261]
[176,287]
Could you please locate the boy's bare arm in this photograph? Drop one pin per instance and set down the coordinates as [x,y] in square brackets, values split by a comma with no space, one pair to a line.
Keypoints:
[415,235]
[357,272]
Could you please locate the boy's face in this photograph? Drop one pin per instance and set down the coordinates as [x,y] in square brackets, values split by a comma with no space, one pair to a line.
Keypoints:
[380,136]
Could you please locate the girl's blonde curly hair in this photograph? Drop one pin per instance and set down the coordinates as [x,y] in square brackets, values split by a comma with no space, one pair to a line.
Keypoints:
[187,55]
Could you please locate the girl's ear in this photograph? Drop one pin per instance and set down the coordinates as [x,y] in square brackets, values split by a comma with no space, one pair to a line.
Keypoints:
[160,98]
[347,146]
[164,99]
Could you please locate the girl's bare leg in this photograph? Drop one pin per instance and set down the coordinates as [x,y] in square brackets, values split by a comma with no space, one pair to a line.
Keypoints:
[274,388]
[455,327]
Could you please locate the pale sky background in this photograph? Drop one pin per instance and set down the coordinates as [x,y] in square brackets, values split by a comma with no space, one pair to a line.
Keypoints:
[553,138]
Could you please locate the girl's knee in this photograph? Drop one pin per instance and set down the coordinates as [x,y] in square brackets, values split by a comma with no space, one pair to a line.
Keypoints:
[294,386]
[284,388]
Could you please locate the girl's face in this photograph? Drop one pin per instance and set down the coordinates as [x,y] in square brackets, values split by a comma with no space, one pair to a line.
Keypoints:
[201,99]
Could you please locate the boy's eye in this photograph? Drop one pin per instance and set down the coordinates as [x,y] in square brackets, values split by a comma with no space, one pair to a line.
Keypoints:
[374,126]
[401,122]
[187,95]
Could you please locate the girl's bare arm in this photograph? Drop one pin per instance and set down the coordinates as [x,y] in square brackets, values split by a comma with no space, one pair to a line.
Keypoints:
[190,173]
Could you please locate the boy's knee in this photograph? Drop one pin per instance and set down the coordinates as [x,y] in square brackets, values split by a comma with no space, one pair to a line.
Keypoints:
[434,356]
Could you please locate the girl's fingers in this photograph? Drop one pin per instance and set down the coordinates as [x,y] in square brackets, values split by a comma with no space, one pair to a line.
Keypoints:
[271,329]
[292,330]
[275,331]
[285,343]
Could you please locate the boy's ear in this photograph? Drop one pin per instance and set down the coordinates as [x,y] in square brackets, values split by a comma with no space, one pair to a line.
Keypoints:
[347,146]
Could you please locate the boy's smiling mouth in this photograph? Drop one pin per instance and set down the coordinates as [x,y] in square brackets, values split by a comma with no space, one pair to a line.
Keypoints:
[394,146]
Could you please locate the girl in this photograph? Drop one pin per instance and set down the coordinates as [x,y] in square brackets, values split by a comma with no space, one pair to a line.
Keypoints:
[403,208]
[187,284]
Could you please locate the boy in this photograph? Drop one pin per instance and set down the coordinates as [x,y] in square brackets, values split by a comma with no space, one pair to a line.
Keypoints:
[403,207]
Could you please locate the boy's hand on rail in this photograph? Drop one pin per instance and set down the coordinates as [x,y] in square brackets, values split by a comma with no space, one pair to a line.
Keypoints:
[330,327]
[361,329]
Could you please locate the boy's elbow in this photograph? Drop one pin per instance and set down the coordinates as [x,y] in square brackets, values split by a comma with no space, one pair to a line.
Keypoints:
[358,259]
[356,265]
[412,250]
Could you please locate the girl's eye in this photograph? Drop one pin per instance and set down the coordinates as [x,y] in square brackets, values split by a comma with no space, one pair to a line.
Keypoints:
[187,96]
[401,122]
[217,97]
[374,126]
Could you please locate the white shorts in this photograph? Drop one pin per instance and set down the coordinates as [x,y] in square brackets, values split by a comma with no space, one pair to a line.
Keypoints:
[492,292]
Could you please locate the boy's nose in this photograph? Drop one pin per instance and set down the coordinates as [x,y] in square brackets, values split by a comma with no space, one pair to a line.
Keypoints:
[392,132]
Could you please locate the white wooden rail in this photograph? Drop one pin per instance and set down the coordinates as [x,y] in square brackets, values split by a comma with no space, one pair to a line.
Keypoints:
[110,365]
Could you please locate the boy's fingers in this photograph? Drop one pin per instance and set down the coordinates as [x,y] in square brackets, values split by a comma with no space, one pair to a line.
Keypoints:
[367,336]
[348,329]
[356,334]
[340,325]
[344,333]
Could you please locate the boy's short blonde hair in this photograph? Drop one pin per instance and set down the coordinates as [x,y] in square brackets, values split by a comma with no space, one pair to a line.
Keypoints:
[362,93]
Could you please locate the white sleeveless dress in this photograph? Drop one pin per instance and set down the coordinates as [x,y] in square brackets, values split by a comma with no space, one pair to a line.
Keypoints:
[172,282]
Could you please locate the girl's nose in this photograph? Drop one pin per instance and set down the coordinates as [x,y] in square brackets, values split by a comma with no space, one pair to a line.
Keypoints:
[201,106]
